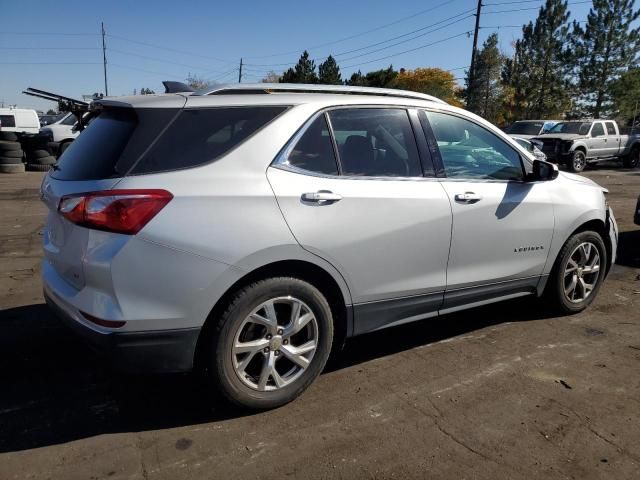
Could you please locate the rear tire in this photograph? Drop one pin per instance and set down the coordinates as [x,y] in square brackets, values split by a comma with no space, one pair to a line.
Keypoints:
[577,273]
[12,168]
[633,159]
[282,362]
[6,145]
[10,160]
[37,167]
[11,153]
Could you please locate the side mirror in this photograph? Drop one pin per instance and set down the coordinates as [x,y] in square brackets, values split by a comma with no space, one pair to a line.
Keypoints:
[543,171]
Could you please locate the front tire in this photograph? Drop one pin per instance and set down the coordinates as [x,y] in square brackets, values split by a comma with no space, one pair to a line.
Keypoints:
[578,273]
[271,343]
[578,161]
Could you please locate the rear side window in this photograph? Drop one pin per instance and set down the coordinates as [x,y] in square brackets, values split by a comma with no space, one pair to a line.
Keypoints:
[611,129]
[7,121]
[200,136]
[597,130]
[314,150]
[112,143]
[375,142]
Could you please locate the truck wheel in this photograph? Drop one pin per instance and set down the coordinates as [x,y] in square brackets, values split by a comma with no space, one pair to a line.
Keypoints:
[633,159]
[578,161]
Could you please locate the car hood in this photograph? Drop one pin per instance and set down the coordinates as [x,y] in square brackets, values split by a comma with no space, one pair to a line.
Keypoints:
[572,177]
[560,136]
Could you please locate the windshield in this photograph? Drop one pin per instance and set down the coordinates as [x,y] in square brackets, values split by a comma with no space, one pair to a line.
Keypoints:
[525,128]
[580,128]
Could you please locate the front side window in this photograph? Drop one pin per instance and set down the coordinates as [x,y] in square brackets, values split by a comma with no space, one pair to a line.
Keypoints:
[314,150]
[470,151]
[597,130]
[375,142]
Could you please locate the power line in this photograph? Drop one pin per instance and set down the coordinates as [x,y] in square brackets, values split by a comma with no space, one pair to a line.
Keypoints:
[534,8]
[344,39]
[50,63]
[379,43]
[52,34]
[168,48]
[49,48]
[468,32]
[156,59]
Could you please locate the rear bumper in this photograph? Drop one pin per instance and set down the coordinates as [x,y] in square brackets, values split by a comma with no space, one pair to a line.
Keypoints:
[136,352]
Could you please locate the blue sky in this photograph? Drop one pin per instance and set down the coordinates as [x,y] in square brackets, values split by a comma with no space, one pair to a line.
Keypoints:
[56,46]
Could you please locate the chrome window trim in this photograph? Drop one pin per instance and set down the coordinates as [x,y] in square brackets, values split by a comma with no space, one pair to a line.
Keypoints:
[281,160]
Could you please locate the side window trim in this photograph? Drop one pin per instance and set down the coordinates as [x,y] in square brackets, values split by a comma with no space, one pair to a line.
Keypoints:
[334,143]
[428,168]
[438,164]
[484,180]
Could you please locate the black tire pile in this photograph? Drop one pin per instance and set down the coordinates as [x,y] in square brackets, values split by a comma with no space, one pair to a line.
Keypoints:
[11,153]
[37,149]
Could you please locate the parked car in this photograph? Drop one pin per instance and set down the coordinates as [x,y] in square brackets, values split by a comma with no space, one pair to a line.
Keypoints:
[531,148]
[52,118]
[62,132]
[530,128]
[19,120]
[249,229]
[579,143]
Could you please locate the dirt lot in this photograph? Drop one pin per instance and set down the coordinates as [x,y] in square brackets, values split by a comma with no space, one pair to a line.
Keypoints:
[498,392]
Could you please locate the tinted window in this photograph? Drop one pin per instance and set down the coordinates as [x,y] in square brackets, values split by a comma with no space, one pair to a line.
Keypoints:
[70,120]
[376,142]
[611,129]
[200,136]
[111,143]
[7,121]
[470,151]
[597,130]
[525,128]
[314,150]
[580,128]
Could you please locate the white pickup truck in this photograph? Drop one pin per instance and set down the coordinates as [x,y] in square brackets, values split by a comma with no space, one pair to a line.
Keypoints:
[578,143]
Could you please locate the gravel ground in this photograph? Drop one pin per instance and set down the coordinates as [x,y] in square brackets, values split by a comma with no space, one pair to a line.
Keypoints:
[505,391]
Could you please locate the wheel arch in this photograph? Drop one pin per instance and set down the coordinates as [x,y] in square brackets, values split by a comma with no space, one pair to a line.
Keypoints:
[311,272]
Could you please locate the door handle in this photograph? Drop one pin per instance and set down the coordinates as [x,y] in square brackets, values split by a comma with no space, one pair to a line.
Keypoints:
[322,197]
[467,197]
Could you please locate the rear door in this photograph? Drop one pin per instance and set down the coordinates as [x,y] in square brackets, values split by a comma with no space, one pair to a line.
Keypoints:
[613,139]
[502,226]
[355,195]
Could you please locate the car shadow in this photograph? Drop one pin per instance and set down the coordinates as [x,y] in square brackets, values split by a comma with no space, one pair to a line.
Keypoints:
[56,390]
[629,249]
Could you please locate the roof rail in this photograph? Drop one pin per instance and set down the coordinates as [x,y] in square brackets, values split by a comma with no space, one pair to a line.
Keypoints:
[266,88]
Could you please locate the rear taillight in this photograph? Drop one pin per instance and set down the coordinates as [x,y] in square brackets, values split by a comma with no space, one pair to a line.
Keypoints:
[118,211]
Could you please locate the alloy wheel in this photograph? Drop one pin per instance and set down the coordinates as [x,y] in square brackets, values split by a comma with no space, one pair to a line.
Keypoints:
[581,272]
[275,344]
[579,162]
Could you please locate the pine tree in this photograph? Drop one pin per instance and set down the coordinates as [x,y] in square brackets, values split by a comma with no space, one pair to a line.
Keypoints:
[536,74]
[602,50]
[484,91]
[382,78]
[303,72]
[357,80]
[329,72]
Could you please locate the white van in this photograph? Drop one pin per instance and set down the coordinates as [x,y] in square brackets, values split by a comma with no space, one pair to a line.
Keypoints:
[19,120]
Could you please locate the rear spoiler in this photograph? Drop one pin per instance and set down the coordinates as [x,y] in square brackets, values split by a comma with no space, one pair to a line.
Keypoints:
[176,87]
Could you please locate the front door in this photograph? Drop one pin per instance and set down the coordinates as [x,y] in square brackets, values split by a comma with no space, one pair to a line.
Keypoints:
[369,211]
[502,226]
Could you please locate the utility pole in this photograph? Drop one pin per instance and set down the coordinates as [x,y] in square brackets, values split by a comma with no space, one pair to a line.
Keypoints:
[240,72]
[475,44]
[104,62]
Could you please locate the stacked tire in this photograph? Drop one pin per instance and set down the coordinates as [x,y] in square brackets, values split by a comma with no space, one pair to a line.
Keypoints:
[39,157]
[11,153]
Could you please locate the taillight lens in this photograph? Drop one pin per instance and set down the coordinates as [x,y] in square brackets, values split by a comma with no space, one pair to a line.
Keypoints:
[118,211]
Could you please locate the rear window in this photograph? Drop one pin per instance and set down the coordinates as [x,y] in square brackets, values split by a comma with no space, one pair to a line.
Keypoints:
[525,128]
[7,121]
[117,142]
[200,136]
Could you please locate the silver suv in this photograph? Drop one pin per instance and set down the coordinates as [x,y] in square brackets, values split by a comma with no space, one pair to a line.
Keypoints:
[251,229]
